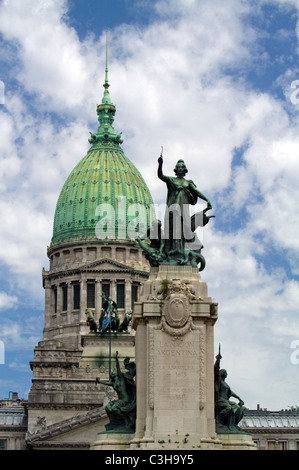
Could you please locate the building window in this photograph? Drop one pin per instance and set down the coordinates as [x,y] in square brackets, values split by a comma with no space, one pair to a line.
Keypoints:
[64,298]
[120,292]
[134,294]
[282,445]
[90,295]
[76,296]
[3,444]
[271,445]
[277,445]
[105,290]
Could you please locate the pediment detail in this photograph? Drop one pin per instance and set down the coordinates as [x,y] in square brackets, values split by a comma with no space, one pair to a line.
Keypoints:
[105,264]
[102,265]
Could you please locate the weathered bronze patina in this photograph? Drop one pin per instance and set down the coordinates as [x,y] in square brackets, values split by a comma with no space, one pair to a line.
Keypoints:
[228,413]
[122,412]
[177,243]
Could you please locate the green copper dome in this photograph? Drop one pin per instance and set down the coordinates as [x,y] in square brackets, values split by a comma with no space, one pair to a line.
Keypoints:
[105,193]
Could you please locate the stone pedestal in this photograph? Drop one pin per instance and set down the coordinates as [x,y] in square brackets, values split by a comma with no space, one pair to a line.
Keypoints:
[112,441]
[237,442]
[174,351]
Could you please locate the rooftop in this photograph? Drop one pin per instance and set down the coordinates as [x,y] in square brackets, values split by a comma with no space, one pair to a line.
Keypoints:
[263,418]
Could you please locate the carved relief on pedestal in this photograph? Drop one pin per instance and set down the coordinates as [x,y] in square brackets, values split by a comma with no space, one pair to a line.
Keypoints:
[176,317]
[185,339]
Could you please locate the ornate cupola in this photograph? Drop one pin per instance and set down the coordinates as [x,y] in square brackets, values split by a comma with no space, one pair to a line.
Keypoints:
[105,177]
[106,113]
[93,248]
[92,252]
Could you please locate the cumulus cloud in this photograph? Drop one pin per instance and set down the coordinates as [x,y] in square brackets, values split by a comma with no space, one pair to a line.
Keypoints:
[20,335]
[7,301]
[55,65]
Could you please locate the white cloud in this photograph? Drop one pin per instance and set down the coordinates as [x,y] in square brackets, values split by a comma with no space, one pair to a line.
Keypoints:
[20,335]
[19,367]
[55,66]
[7,302]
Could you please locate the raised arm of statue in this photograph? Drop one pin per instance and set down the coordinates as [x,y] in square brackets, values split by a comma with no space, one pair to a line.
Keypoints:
[160,171]
[217,368]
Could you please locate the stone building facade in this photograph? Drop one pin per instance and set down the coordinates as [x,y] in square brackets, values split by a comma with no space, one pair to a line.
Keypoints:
[13,423]
[90,259]
[273,430]
[92,256]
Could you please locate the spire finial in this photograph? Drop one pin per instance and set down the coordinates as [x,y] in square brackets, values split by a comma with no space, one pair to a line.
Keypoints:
[106,84]
[106,97]
[105,112]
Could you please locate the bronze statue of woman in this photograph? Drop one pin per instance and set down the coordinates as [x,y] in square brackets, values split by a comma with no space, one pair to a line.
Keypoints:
[181,243]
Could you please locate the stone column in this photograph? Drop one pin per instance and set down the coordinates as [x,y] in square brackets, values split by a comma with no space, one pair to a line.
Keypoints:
[174,358]
[142,427]
[128,295]
[84,252]
[69,302]
[49,307]
[54,314]
[113,290]
[83,299]
[98,299]
[59,304]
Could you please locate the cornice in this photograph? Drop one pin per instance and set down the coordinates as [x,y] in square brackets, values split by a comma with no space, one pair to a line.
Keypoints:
[14,429]
[61,406]
[95,267]
[52,445]
[61,364]
[269,430]
[61,427]
[88,241]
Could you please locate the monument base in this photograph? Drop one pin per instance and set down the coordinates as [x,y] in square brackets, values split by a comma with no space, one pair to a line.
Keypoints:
[174,349]
[174,344]
[122,441]
[176,442]
[112,441]
[237,442]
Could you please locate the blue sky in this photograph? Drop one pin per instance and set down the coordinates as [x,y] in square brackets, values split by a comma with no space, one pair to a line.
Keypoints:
[211,81]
